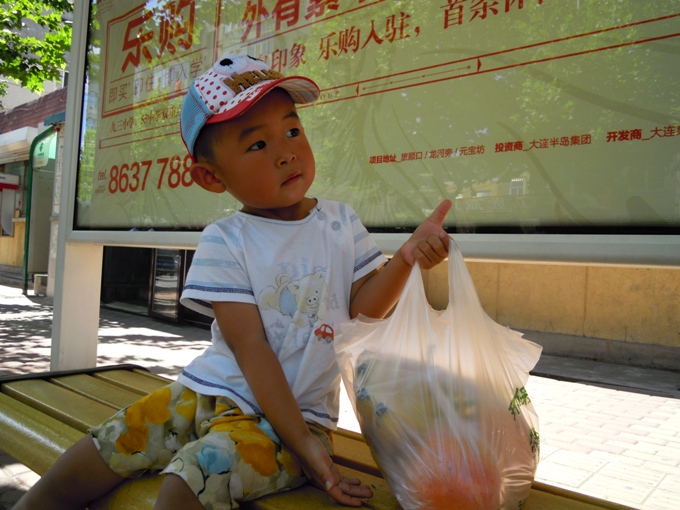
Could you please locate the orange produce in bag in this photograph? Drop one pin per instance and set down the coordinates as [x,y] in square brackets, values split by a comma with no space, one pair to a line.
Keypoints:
[440,399]
[455,473]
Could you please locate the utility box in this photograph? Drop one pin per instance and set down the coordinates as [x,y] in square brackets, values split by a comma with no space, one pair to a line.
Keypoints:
[40,284]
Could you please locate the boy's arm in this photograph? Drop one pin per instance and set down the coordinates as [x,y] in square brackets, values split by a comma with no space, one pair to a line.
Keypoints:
[375,294]
[241,327]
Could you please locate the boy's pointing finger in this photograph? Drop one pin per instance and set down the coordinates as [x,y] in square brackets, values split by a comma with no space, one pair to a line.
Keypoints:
[439,214]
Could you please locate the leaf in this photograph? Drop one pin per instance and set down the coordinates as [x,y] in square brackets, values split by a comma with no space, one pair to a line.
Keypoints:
[24,58]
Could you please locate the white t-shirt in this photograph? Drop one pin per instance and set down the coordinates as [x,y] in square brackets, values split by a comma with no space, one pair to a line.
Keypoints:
[299,274]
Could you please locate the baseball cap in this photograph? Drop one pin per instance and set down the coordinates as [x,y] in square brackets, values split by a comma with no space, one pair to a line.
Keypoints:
[231,86]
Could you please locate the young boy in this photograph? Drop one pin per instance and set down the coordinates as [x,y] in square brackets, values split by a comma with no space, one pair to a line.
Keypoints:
[254,413]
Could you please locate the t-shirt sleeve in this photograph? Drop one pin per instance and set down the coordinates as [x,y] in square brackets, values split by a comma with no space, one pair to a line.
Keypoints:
[215,274]
[367,255]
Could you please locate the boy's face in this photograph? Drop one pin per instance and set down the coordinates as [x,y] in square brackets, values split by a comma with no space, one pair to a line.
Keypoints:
[263,159]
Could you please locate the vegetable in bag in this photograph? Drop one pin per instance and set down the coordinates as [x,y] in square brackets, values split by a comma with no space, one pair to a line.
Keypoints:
[440,399]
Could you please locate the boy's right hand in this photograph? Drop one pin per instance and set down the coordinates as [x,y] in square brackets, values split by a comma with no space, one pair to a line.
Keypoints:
[429,244]
[320,468]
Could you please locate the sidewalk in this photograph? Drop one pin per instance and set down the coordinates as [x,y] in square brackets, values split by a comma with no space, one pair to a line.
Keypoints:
[606,430]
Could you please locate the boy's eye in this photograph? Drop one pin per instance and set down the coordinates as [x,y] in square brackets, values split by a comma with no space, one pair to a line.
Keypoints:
[257,146]
[292,133]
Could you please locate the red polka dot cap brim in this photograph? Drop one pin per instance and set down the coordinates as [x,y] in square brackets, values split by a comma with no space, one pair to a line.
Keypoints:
[231,86]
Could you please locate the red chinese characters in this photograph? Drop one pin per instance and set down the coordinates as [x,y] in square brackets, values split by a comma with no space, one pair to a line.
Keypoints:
[544,143]
[317,8]
[630,135]
[177,25]
[428,154]
[286,11]
[286,58]
[456,12]
[174,31]
[353,39]
[286,14]
[253,16]
[135,41]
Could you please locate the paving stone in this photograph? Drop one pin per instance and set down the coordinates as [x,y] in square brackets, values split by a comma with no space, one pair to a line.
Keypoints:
[672,446]
[662,468]
[620,424]
[596,433]
[570,447]
[616,459]
[547,450]
[9,465]
[671,483]
[625,438]
[601,446]
[578,460]
[662,500]
[28,478]
[652,458]
[550,472]
[648,447]
[665,435]
[648,421]
[639,475]
[616,489]
[648,428]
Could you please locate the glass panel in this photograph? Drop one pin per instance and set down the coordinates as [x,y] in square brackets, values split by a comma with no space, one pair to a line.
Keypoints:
[532,115]
[166,283]
[125,278]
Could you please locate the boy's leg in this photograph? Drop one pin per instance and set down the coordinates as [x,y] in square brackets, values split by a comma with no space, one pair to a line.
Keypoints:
[79,476]
[176,494]
[240,459]
[138,438]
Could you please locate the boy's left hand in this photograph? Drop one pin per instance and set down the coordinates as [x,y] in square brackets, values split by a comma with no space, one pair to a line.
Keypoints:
[429,244]
[325,474]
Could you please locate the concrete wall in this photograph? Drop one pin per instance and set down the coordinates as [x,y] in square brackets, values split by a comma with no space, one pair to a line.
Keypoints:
[615,313]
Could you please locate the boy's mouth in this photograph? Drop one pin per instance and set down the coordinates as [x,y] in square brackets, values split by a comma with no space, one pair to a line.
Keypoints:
[292,178]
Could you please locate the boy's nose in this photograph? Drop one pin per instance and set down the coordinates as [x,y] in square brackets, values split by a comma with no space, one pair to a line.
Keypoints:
[286,158]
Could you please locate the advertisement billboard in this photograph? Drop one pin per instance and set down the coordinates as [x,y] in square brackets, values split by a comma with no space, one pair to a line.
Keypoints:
[531,115]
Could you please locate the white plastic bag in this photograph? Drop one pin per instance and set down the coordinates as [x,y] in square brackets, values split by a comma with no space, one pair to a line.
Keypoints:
[440,398]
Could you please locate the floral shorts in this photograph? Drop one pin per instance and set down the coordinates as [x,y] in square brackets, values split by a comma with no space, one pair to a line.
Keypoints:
[224,456]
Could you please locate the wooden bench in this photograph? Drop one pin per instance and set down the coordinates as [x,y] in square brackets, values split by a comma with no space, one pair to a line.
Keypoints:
[41,415]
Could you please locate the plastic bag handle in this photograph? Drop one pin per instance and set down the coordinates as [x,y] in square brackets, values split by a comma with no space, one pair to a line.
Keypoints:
[414,289]
[460,281]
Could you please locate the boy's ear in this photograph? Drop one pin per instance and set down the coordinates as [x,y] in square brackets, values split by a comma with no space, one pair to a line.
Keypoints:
[206,179]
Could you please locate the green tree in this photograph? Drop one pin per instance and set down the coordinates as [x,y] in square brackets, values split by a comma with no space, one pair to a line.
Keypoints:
[27,59]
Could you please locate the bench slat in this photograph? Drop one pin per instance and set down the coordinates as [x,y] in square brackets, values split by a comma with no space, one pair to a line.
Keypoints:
[150,375]
[138,381]
[352,451]
[97,390]
[310,497]
[34,438]
[140,494]
[73,409]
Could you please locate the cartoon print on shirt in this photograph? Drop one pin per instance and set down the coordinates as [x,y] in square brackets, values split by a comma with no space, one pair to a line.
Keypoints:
[325,333]
[299,299]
